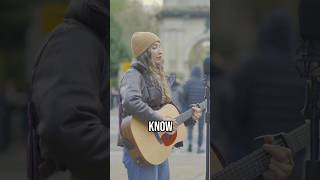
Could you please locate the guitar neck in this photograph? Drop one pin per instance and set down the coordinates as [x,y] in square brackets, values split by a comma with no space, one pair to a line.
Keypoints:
[256,163]
[187,114]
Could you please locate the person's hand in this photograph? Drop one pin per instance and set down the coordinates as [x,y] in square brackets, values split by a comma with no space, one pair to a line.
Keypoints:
[196,112]
[281,163]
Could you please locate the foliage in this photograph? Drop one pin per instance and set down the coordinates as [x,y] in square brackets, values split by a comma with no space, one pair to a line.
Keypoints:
[127,17]
[117,6]
[134,18]
[118,51]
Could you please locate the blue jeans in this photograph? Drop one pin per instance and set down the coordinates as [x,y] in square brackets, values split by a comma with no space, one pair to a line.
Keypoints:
[200,131]
[136,172]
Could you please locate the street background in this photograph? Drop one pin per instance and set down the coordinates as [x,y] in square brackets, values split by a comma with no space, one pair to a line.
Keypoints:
[26,24]
[184,29]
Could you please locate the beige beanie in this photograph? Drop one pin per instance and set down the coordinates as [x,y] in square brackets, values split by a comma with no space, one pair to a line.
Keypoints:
[141,41]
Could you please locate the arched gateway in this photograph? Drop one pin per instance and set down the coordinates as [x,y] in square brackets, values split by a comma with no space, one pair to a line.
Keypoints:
[183,25]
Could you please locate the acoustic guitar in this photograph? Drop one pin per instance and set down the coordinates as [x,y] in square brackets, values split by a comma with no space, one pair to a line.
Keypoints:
[153,148]
[256,163]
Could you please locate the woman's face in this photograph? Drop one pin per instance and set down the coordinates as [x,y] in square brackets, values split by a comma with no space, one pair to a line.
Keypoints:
[156,53]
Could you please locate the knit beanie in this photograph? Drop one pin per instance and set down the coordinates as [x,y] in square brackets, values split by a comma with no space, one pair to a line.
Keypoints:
[141,41]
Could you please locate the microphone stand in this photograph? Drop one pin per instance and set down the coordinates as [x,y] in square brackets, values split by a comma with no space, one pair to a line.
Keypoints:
[207,120]
[311,63]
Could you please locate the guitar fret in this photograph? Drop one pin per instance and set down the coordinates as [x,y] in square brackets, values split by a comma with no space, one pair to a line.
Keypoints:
[187,114]
[249,167]
[298,138]
[253,165]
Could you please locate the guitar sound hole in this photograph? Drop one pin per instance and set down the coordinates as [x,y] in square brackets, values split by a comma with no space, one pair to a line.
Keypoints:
[168,139]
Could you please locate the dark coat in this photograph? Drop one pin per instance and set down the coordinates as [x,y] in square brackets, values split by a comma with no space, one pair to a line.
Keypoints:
[194,88]
[69,86]
[269,91]
[139,96]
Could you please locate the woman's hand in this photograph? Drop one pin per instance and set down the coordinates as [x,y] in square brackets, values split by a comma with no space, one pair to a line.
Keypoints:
[281,163]
[196,112]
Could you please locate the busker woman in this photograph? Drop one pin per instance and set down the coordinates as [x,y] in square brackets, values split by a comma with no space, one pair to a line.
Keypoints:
[144,89]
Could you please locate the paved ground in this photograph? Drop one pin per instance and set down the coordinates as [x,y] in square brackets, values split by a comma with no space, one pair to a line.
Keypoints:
[183,165]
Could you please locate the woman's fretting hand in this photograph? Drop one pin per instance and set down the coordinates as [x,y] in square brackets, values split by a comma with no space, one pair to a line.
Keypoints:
[196,112]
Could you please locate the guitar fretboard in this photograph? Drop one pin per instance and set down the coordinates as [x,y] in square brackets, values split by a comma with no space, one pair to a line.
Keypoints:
[187,114]
[255,164]
[299,138]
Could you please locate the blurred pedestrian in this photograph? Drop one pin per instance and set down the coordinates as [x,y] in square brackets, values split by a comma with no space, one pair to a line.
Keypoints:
[269,91]
[176,91]
[193,93]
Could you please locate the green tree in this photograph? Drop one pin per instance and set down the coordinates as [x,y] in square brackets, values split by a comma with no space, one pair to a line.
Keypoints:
[118,50]
[133,17]
[117,6]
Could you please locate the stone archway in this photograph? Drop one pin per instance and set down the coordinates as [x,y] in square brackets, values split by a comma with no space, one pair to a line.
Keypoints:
[183,24]
[196,42]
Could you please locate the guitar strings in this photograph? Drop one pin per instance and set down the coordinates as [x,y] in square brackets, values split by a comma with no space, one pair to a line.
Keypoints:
[257,162]
[183,116]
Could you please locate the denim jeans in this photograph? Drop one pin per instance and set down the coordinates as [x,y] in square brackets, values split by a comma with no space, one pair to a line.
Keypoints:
[152,172]
[200,131]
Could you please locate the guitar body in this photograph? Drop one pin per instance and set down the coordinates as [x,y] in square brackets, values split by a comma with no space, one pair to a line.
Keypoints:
[146,148]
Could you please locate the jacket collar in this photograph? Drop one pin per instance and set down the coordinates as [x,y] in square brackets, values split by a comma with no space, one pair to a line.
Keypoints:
[143,69]
[139,66]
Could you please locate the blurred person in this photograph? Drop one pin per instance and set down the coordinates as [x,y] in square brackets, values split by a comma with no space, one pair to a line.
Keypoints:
[280,166]
[223,96]
[194,92]
[143,90]
[269,94]
[69,87]
[176,91]
[113,97]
